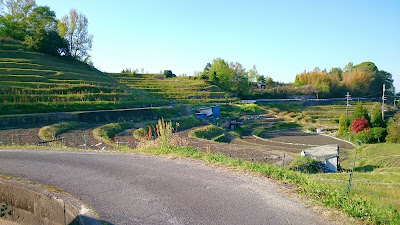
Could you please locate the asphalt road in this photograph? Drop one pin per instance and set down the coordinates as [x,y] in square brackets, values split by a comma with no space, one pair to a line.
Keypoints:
[141,189]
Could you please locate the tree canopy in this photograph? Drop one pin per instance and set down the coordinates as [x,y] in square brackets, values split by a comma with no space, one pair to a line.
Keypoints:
[74,28]
[38,28]
[364,79]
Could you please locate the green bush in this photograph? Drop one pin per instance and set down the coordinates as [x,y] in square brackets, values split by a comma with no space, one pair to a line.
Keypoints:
[393,129]
[364,136]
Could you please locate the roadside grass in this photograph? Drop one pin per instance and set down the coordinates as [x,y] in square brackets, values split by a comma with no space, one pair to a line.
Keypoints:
[47,133]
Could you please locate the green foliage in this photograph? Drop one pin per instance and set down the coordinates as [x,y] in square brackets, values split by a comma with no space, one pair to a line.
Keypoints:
[378,134]
[50,132]
[376,117]
[208,132]
[251,108]
[169,74]
[364,136]
[223,138]
[342,125]
[74,28]
[393,129]
[35,26]
[230,77]
[360,112]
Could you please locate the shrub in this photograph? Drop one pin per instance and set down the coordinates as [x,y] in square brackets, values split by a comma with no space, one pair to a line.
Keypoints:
[378,133]
[358,125]
[364,136]
[342,124]
[393,129]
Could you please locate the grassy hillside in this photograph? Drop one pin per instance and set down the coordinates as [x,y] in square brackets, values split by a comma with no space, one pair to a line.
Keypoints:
[35,82]
[182,89]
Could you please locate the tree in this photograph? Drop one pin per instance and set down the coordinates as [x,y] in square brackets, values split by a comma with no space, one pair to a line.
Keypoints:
[342,124]
[253,74]
[168,74]
[74,27]
[360,112]
[358,125]
[376,117]
[15,23]
[260,79]
[393,129]
[348,67]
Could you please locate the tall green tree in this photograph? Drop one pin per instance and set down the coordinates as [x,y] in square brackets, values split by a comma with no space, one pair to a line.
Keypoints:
[14,23]
[253,74]
[393,129]
[360,112]
[342,125]
[376,117]
[74,28]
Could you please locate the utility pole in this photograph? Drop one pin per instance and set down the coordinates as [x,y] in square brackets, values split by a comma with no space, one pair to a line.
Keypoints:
[348,97]
[383,103]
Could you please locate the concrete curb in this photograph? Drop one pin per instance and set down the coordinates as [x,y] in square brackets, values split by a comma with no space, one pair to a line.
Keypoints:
[33,204]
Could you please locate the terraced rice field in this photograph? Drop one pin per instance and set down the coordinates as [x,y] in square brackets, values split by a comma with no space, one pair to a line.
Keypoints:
[177,88]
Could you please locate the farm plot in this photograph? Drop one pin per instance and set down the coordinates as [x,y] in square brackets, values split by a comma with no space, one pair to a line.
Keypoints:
[296,136]
[245,152]
[19,136]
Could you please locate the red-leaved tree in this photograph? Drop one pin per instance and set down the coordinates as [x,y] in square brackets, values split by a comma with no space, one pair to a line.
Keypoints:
[358,125]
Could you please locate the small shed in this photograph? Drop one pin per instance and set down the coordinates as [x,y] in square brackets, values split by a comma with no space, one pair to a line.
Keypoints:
[201,115]
[206,111]
[326,154]
[216,111]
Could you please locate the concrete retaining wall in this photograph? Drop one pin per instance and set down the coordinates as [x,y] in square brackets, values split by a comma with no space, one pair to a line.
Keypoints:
[32,204]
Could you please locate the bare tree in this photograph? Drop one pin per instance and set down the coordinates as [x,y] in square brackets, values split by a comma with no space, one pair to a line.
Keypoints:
[74,28]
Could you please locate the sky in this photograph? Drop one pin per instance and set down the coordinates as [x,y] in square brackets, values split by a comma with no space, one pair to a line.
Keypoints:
[282,38]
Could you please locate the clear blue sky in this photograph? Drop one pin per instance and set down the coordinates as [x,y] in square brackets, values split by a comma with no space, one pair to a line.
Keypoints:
[282,38]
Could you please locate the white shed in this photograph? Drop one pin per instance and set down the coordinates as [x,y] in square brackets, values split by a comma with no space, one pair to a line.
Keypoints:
[326,154]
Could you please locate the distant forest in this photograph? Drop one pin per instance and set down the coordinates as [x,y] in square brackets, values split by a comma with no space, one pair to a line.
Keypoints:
[362,80]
